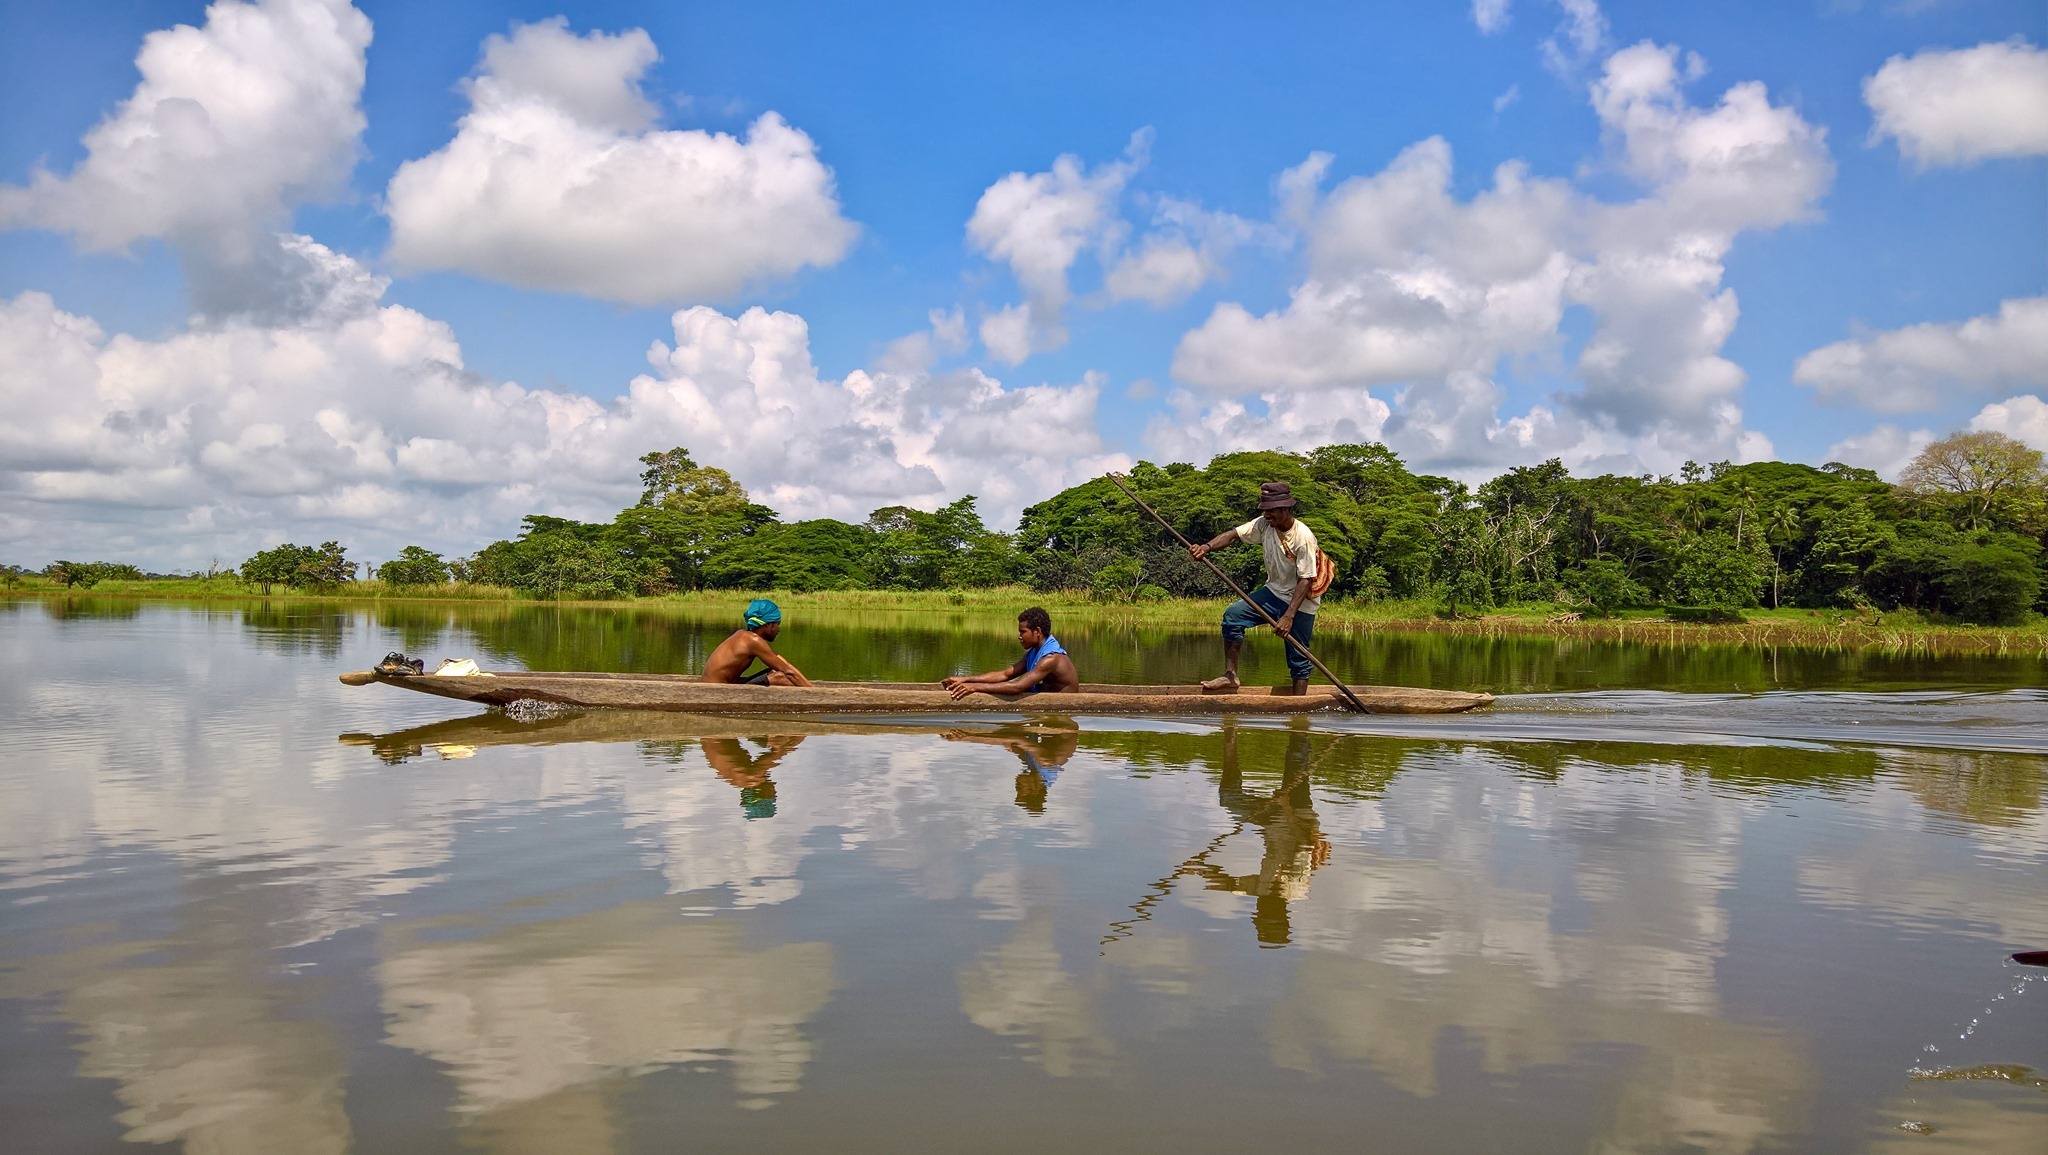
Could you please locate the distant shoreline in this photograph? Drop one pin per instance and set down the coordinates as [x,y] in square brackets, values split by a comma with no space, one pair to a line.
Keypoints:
[1898,632]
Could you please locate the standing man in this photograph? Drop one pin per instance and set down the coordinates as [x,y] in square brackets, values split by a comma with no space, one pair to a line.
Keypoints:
[1296,576]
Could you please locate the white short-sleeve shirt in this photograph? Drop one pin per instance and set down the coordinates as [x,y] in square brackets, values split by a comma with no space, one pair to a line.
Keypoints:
[1290,557]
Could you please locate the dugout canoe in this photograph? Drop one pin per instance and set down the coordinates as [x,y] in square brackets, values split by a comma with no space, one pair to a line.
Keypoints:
[684,692]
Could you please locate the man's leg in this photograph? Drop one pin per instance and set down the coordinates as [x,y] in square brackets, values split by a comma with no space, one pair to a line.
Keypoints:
[1236,620]
[1298,664]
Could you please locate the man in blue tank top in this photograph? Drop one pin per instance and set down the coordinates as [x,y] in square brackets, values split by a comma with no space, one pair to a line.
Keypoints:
[1045,665]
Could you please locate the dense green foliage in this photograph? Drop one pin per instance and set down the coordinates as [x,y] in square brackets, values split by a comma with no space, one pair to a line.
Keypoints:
[694,527]
[84,574]
[1714,541]
[320,567]
[1961,538]
[414,566]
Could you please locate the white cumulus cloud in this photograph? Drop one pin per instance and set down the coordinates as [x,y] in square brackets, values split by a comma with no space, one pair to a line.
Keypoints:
[556,180]
[1039,224]
[2024,418]
[1410,288]
[1917,367]
[1194,432]
[945,335]
[1186,247]
[1404,282]
[1580,36]
[231,124]
[1885,449]
[1163,269]
[1581,30]
[1042,224]
[356,419]
[1955,107]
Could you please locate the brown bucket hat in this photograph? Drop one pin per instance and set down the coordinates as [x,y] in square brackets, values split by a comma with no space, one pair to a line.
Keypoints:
[1276,495]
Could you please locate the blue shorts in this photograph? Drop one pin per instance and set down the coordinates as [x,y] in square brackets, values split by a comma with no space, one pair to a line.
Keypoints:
[1241,617]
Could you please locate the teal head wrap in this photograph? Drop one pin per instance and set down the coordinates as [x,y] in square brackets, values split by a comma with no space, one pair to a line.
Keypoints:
[761,612]
[758,801]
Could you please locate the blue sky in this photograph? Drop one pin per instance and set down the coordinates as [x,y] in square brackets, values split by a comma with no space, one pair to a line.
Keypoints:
[1864,230]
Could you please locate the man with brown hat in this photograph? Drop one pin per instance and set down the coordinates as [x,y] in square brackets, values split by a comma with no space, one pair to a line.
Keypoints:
[1297,573]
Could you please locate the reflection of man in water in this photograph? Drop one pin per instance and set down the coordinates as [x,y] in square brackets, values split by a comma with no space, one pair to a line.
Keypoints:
[739,766]
[1043,748]
[1295,846]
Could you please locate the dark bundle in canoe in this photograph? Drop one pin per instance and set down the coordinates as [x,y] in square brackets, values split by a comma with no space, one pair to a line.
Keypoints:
[686,692]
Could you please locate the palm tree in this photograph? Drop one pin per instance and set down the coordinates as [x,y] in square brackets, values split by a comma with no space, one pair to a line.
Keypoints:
[1745,504]
[1781,530]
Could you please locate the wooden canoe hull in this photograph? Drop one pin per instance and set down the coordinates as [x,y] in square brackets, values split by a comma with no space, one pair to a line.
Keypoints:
[684,692]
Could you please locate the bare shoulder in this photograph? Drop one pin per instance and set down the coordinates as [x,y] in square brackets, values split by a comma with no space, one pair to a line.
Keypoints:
[731,656]
[741,643]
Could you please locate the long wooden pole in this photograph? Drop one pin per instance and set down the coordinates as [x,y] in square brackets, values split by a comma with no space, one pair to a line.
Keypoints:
[1350,698]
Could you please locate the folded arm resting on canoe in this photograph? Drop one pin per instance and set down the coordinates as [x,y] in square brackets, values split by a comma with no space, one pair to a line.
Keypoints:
[1045,665]
[728,663]
[730,660]
[1053,674]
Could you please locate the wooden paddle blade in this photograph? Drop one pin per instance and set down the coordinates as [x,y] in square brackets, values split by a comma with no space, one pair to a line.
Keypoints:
[2032,958]
[359,677]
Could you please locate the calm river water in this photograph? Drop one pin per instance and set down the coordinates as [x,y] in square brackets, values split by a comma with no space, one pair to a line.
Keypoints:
[1662,899]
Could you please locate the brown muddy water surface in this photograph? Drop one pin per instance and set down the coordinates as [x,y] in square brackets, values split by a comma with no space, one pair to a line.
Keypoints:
[1656,899]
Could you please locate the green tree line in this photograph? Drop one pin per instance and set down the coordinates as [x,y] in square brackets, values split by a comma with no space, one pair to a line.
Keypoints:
[1960,537]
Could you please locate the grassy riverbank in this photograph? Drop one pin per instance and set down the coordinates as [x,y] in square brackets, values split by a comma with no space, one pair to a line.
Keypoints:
[1899,632]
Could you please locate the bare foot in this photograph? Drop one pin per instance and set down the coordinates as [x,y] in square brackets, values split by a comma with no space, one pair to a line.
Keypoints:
[1227,684]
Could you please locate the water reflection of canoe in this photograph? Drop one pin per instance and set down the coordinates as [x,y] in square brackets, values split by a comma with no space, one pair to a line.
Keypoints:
[685,692]
[460,737]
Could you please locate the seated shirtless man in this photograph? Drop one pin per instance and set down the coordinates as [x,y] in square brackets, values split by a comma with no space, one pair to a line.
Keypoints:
[1044,666]
[728,663]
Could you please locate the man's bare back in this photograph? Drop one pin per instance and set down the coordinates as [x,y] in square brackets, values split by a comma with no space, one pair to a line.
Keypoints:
[728,663]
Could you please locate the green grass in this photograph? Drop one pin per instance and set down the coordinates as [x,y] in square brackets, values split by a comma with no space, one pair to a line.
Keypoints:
[229,588]
[1895,632]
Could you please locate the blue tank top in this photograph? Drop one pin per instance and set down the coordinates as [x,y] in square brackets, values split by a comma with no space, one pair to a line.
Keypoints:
[1050,645]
